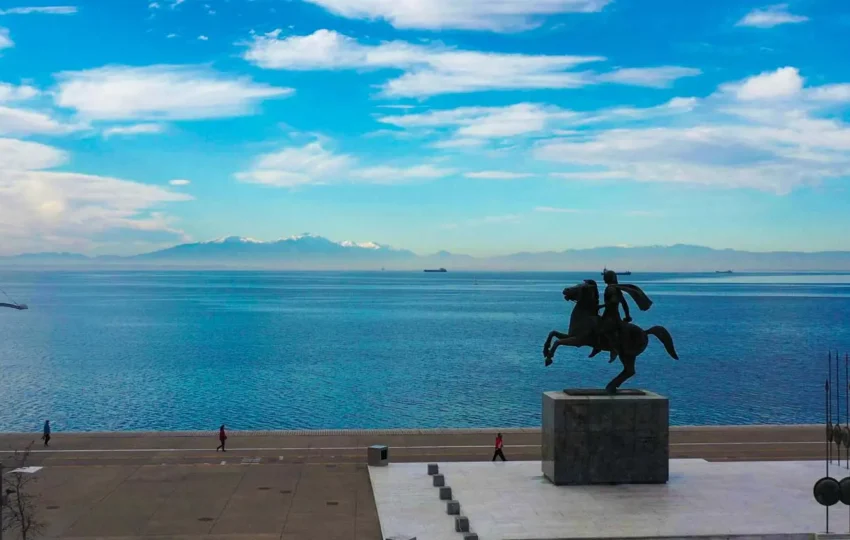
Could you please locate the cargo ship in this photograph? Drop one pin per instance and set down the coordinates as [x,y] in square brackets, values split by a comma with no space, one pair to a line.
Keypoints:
[618,273]
[436,270]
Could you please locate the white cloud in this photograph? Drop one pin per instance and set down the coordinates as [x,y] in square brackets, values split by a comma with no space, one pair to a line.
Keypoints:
[490,220]
[837,93]
[782,83]
[203,38]
[9,92]
[179,182]
[134,129]
[295,166]
[657,77]
[497,175]
[45,10]
[25,155]
[449,144]
[43,210]
[154,5]
[556,210]
[497,15]
[473,123]
[591,175]
[767,132]
[396,175]
[20,122]
[315,164]
[771,16]
[430,70]
[470,127]
[160,92]
[5,41]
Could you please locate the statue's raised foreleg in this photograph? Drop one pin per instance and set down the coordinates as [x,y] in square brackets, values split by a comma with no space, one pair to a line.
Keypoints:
[552,335]
[570,341]
[627,373]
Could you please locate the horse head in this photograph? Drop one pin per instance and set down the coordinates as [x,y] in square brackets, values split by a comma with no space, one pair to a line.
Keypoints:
[585,294]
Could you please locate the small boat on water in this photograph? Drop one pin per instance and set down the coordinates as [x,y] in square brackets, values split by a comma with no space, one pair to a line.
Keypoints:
[440,270]
[722,271]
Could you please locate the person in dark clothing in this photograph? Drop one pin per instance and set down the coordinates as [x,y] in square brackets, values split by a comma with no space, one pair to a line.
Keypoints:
[46,435]
[498,452]
[222,436]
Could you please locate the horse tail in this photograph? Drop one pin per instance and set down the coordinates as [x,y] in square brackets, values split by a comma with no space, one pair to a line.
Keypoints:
[665,338]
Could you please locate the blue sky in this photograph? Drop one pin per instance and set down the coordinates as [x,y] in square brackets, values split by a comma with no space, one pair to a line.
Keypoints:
[477,127]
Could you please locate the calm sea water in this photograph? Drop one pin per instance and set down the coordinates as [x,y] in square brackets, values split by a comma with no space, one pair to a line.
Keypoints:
[254,350]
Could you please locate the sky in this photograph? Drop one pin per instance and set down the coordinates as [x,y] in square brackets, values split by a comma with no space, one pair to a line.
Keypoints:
[478,127]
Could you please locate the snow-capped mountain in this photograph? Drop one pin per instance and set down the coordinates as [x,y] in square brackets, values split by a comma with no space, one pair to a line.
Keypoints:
[312,252]
[303,250]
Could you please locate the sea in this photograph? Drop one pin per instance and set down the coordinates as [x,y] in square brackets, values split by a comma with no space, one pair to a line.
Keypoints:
[156,350]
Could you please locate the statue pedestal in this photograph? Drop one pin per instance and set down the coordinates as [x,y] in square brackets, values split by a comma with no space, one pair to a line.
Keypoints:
[592,437]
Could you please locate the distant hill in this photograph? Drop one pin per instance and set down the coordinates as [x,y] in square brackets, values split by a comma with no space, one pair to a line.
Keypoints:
[311,252]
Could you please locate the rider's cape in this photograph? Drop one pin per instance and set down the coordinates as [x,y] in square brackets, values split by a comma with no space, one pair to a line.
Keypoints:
[641,299]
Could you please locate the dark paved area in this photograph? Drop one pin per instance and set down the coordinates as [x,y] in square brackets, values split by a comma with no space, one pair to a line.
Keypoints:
[290,485]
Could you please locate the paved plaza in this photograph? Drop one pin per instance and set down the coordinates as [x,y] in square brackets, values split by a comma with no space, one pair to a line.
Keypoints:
[513,501]
[311,485]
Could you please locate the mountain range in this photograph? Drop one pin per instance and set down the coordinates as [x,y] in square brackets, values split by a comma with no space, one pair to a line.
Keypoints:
[312,252]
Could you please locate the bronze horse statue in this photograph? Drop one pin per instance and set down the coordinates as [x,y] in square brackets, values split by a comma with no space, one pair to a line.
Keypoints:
[584,322]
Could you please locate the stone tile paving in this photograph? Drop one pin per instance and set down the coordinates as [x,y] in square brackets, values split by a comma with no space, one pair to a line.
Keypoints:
[514,501]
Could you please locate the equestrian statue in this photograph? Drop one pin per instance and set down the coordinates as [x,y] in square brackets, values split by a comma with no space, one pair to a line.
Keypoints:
[608,332]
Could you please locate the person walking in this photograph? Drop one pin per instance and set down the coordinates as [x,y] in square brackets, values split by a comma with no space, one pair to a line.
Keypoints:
[222,436]
[498,452]
[46,435]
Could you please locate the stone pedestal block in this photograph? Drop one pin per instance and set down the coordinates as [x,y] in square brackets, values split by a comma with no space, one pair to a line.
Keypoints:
[445,493]
[453,508]
[433,469]
[470,536]
[461,524]
[438,480]
[377,455]
[592,437]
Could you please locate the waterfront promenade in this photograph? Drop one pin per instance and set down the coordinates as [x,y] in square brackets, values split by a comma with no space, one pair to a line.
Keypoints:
[307,485]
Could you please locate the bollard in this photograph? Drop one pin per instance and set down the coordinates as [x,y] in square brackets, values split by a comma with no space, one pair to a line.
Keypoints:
[453,508]
[377,455]
[461,524]
[439,480]
[445,493]
[470,536]
[433,469]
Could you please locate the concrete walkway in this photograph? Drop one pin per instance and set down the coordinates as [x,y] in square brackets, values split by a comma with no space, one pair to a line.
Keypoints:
[289,485]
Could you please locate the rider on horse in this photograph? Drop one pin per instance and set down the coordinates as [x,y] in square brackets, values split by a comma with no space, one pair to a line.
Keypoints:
[610,324]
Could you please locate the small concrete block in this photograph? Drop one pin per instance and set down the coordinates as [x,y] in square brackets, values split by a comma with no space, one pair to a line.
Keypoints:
[470,536]
[445,493]
[439,480]
[433,469]
[453,508]
[377,455]
[461,524]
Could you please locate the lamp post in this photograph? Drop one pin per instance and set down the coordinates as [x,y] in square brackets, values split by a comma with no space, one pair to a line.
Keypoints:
[3,495]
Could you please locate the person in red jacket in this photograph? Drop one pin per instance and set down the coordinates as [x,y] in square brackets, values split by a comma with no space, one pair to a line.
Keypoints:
[498,451]
[222,436]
